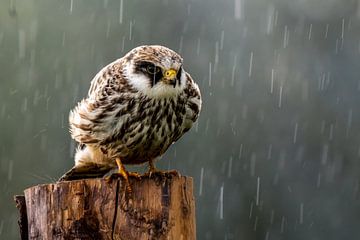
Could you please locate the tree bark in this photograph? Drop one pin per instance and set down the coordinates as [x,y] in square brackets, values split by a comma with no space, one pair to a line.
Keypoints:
[23,224]
[158,208]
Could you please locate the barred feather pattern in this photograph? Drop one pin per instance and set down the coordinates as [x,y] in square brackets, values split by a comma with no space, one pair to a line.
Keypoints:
[117,120]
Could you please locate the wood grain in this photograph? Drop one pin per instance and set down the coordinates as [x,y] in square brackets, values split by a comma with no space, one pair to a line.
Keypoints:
[158,208]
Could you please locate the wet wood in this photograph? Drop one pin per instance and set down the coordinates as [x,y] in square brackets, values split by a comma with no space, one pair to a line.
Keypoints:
[21,206]
[158,208]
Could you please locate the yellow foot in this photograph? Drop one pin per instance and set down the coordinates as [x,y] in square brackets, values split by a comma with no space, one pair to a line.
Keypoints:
[155,172]
[135,175]
[124,174]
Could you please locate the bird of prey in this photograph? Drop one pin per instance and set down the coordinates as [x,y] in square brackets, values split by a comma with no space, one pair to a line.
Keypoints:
[136,107]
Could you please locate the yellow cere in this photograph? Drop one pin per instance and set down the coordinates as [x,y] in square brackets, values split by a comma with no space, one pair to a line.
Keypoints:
[170,74]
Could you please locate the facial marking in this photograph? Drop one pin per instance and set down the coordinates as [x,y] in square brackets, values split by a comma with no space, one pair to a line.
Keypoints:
[149,69]
[156,71]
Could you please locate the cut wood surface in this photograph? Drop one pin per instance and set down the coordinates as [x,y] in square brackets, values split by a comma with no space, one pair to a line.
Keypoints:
[158,208]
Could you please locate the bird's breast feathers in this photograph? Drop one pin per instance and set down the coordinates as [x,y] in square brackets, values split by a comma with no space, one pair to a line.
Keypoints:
[132,117]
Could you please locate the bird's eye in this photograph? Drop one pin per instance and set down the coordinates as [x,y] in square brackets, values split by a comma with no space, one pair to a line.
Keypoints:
[152,69]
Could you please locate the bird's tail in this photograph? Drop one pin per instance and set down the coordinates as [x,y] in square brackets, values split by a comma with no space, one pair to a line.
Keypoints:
[89,163]
[85,171]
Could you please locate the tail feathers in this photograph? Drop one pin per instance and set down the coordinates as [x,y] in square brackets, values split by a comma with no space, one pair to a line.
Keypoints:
[90,162]
[85,171]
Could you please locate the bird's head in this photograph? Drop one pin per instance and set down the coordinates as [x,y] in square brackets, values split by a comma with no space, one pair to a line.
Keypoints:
[155,70]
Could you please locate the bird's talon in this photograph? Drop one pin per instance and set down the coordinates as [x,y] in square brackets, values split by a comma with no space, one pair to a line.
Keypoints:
[135,175]
[108,179]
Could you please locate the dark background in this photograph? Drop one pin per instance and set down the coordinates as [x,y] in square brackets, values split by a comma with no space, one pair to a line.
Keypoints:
[276,153]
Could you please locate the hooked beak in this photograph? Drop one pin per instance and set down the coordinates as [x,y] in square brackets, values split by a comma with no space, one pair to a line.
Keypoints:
[170,77]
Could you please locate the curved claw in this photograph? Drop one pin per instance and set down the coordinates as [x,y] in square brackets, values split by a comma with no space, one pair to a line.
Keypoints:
[124,174]
[153,171]
[135,175]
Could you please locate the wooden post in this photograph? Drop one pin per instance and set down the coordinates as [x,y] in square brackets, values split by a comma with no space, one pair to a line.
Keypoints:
[158,208]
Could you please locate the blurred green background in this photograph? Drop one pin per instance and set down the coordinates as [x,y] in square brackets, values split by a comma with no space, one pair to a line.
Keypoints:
[276,152]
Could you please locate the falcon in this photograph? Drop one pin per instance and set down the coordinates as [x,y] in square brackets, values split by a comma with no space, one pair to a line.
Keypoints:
[136,107]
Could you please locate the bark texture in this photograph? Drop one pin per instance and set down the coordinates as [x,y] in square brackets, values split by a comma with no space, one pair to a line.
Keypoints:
[158,208]
[21,206]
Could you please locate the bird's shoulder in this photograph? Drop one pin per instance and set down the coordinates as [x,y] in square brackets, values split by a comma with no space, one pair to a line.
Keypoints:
[193,100]
[110,80]
[191,89]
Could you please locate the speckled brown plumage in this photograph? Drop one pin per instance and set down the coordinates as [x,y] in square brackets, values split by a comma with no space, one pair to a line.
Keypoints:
[136,108]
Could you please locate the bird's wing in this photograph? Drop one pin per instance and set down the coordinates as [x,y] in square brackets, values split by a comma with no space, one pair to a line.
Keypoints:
[92,120]
[193,103]
[102,78]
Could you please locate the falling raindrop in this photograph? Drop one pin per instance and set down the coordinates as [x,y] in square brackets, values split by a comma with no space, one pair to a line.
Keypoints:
[326,31]
[322,128]
[216,60]
[221,214]
[121,12]
[255,223]
[71,6]
[105,5]
[295,132]
[22,42]
[230,167]
[272,81]
[233,71]
[272,216]
[210,74]
[280,96]
[198,47]
[283,221]
[286,37]
[240,151]
[222,40]
[251,209]
[130,29]
[201,181]
[267,235]
[123,44]
[331,132]
[258,191]
[336,46]
[270,19]
[269,152]
[108,28]
[318,182]
[238,9]
[342,28]
[24,105]
[310,32]
[349,121]
[251,64]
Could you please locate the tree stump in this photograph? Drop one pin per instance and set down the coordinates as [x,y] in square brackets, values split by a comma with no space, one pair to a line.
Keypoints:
[157,208]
